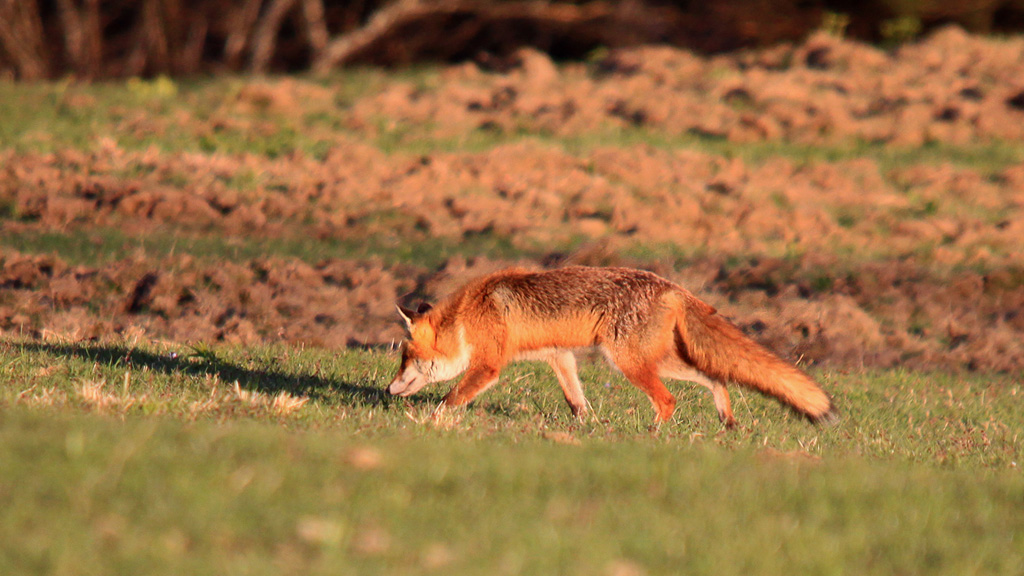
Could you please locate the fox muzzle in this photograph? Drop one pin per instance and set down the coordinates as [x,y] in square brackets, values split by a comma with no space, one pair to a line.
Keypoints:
[407,383]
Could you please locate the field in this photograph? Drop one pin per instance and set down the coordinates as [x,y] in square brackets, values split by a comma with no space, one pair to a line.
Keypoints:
[198,279]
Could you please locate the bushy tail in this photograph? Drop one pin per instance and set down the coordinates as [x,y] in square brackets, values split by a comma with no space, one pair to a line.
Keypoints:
[720,350]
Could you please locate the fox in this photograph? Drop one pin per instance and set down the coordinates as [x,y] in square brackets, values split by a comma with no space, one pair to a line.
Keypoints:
[646,326]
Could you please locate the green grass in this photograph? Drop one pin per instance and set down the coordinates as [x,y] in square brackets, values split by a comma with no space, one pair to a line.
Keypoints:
[176,117]
[96,246]
[120,459]
[137,114]
[987,158]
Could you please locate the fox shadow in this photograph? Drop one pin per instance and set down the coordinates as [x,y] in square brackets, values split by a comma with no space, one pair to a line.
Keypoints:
[268,380]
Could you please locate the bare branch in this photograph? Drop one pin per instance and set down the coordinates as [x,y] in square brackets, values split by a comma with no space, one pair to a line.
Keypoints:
[242,22]
[21,36]
[341,49]
[403,13]
[192,52]
[316,26]
[73,33]
[265,38]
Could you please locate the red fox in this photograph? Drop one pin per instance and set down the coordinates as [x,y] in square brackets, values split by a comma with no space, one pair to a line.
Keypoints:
[647,326]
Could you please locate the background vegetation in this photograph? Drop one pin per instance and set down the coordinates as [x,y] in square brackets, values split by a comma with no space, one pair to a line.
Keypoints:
[92,39]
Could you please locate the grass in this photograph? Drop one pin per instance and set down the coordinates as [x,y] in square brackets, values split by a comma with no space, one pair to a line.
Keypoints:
[176,117]
[137,114]
[122,458]
[101,245]
[344,389]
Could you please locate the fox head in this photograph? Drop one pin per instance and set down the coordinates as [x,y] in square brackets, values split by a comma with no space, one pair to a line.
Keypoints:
[426,357]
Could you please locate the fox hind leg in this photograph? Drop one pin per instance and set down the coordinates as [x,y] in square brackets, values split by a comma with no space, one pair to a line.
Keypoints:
[723,404]
[564,365]
[646,379]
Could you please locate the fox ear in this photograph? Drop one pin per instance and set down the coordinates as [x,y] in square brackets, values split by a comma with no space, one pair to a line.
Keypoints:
[407,315]
[410,315]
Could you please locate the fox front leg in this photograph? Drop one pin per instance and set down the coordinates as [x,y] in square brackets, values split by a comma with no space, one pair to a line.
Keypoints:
[476,380]
[564,365]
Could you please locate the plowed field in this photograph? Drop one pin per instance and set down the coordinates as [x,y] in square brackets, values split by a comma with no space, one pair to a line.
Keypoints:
[844,205]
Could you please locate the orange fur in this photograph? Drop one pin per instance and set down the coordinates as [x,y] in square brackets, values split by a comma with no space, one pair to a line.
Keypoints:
[647,326]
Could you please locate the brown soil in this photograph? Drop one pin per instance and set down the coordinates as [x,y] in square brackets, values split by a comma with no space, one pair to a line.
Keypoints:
[953,88]
[876,315]
[539,195]
[845,263]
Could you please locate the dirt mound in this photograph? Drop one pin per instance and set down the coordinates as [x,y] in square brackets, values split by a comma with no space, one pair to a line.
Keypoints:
[873,316]
[335,303]
[535,195]
[893,314]
[952,88]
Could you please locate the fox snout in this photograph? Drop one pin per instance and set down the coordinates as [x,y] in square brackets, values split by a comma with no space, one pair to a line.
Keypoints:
[407,382]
